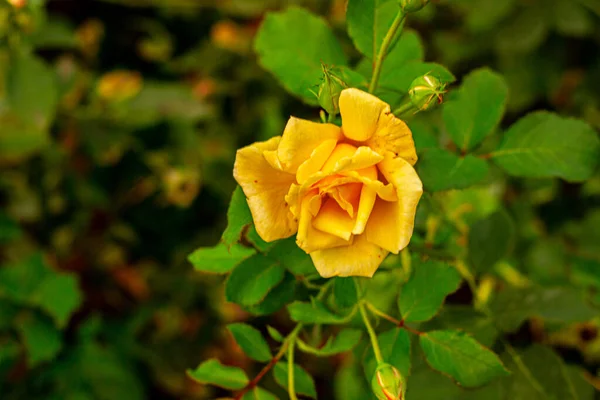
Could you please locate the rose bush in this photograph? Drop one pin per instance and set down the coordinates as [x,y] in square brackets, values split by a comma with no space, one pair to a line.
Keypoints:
[350,192]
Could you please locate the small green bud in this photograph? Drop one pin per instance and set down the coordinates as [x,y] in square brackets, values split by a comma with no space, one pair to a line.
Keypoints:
[329,91]
[409,6]
[426,91]
[387,383]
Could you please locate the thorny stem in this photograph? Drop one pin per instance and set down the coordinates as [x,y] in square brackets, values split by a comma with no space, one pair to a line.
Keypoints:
[288,343]
[372,335]
[387,41]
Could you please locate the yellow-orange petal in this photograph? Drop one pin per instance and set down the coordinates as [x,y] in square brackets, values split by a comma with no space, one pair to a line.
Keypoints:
[265,188]
[334,220]
[361,258]
[300,138]
[316,160]
[310,239]
[391,223]
[360,114]
[392,134]
[368,196]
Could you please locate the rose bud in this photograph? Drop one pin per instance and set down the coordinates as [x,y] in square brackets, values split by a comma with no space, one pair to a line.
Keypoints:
[330,90]
[426,91]
[409,6]
[387,383]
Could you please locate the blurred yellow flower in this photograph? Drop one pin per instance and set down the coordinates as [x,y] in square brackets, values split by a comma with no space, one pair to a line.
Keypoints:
[119,85]
[349,193]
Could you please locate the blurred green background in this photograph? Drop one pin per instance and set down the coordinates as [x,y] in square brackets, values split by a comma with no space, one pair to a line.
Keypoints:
[119,121]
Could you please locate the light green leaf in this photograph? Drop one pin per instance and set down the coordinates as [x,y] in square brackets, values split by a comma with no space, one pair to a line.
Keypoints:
[400,77]
[462,357]
[214,373]
[395,349]
[238,217]
[219,259]
[250,341]
[304,382]
[293,44]
[274,333]
[59,295]
[342,342]
[345,292]
[42,340]
[544,145]
[441,170]
[251,281]
[420,300]
[314,313]
[368,22]
[258,393]
[491,239]
[477,109]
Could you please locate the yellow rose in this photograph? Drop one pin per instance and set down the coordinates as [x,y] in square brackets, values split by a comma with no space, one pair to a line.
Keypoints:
[349,193]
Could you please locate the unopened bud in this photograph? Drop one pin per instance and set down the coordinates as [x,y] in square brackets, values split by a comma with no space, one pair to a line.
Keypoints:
[410,6]
[18,3]
[426,91]
[330,90]
[387,383]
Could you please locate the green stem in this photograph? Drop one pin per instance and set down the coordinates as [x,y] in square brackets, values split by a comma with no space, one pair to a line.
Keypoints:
[404,110]
[291,377]
[371,331]
[387,41]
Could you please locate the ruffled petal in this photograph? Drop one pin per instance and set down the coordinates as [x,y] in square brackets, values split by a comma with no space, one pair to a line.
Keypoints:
[316,160]
[391,223]
[265,188]
[393,135]
[361,258]
[311,239]
[368,196]
[334,220]
[301,138]
[360,114]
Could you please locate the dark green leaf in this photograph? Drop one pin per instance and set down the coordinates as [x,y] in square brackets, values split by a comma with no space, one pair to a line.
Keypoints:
[491,239]
[303,381]
[343,341]
[251,281]
[349,384]
[59,295]
[292,257]
[277,298]
[345,292]
[477,109]
[238,217]
[9,229]
[395,350]
[219,259]
[42,340]
[214,373]
[313,313]
[478,325]
[442,170]
[293,45]
[250,341]
[420,300]
[462,357]
[368,22]
[544,145]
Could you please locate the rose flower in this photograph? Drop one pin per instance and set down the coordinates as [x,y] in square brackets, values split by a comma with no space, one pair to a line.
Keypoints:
[349,193]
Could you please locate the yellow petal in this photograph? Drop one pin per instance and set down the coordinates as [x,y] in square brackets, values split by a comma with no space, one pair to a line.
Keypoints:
[393,135]
[300,138]
[360,113]
[391,223]
[346,157]
[265,188]
[361,258]
[347,196]
[316,160]
[334,220]
[368,195]
[311,239]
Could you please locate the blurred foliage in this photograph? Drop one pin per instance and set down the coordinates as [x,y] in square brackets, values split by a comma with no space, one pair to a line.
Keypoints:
[119,121]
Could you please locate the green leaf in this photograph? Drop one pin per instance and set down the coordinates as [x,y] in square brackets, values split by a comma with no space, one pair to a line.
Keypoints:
[462,357]
[238,217]
[42,340]
[293,45]
[342,342]
[477,109]
[59,295]
[274,333]
[368,22]
[490,240]
[544,145]
[219,259]
[349,383]
[400,77]
[9,229]
[303,381]
[395,350]
[258,393]
[442,170]
[292,257]
[214,373]
[314,313]
[420,300]
[345,292]
[278,297]
[463,317]
[250,341]
[251,281]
